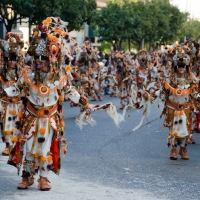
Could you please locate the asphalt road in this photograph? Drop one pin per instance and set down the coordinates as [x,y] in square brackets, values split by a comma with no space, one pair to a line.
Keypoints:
[106,162]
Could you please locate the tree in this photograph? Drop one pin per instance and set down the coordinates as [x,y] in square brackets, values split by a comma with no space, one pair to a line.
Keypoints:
[74,11]
[132,21]
[141,22]
[161,22]
[111,24]
[14,11]
[78,12]
[176,20]
[157,21]
[190,29]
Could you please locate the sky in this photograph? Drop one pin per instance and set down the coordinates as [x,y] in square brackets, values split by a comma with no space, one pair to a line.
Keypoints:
[191,6]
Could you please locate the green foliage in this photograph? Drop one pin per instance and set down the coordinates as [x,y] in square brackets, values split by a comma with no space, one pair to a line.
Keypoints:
[76,12]
[175,20]
[133,21]
[112,24]
[105,47]
[36,10]
[190,29]
[41,9]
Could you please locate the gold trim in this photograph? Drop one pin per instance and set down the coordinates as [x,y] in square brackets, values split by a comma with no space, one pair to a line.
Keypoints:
[37,88]
[178,91]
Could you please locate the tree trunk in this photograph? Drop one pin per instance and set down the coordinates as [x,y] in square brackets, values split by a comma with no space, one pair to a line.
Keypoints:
[9,24]
[150,43]
[9,27]
[29,28]
[120,44]
[129,44]
[141,41]
[114,46]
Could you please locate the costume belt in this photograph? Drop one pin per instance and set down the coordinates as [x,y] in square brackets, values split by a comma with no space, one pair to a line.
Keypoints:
[177,106]
[11,99]
[42,112]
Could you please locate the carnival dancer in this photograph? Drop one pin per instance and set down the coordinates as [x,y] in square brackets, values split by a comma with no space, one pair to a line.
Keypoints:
[109,83]
[130,66]
[40,124]
[135,60]
[143,72]
[120,75]
[144,79]
[10,94]
[178,104]
[112,63]
[95,68]
[180,95]
[193,45]
[39,128]
[196,71]
[164,66]
[82,72]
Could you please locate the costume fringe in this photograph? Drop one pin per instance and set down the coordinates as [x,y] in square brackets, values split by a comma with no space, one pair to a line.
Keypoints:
[133,92]
[90,120]
[84,116]
[130,105]
[115,80]
[110,109]
[112,112]
[147,109]
[140,124]
[147,106]
[124,111]
[79,119]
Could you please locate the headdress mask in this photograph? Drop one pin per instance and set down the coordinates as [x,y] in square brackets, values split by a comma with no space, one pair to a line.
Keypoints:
[12,46]
[143,57]
[163,58]
[181,59]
